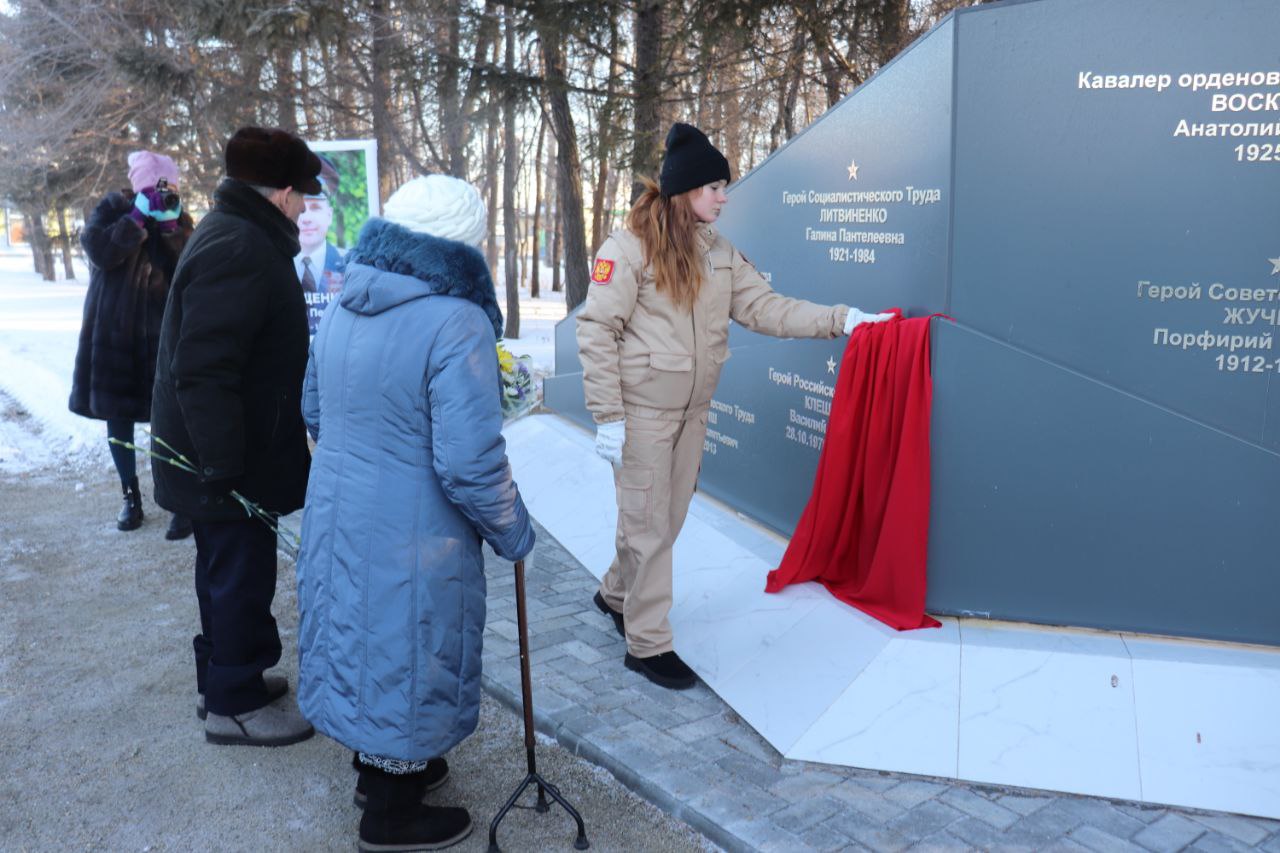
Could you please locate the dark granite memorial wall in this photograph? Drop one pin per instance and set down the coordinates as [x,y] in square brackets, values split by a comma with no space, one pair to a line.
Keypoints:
[1092,190]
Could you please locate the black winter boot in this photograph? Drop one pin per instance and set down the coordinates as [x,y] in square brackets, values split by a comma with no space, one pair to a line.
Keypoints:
[130,517]
[395,818]
[665,670]
[436,774]
[179,527]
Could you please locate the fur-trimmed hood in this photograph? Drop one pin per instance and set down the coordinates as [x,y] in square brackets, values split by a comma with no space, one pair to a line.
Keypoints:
[391,265]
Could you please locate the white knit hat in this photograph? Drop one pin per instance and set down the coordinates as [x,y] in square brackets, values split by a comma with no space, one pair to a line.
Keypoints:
[440,206]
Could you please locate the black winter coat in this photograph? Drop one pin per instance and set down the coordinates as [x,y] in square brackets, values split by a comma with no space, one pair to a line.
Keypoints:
[120,333]
[233,352]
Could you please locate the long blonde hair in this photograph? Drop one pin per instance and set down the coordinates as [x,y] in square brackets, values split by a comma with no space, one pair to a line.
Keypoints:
[668,232]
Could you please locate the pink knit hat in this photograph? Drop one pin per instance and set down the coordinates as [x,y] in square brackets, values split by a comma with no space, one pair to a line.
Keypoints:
[147,167]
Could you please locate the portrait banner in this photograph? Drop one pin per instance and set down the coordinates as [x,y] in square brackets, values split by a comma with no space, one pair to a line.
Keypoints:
[331,221]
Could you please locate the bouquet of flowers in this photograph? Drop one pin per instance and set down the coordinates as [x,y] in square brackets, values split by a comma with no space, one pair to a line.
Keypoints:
[518,392]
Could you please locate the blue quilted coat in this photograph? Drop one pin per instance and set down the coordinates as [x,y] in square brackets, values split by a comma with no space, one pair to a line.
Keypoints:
[409,475]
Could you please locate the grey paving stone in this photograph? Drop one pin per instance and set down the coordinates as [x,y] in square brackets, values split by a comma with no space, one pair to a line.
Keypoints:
[504,628]
[869,832]
[794,787]
[697,730]
[802,816]
[583,652]
[925,819]
[1246,830]
[1042,827]
[581,722]
[734,803]
[869,804]
[763,834]
[913,792]
[1023,805]
[1064,845]
[555,624]
[940,842]
[618,718]
[1144,812]
[1216,842]
[656,715]
[753,770]
[1101,814]
[570,609]
[827,839]
[542,639]
[644,732]
[1171,832]
[745,740]
[709,750]
[1272,845]
[601,637]
[980,807]
[981,835]
[604,695]
[874,781]
[1101,841]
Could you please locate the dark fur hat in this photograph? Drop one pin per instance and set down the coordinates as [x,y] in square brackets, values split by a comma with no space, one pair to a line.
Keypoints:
[272,158]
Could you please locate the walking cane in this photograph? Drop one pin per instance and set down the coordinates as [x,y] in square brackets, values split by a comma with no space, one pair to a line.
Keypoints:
[526,688]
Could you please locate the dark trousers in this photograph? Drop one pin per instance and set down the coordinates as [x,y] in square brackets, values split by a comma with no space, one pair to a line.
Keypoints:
[238,639]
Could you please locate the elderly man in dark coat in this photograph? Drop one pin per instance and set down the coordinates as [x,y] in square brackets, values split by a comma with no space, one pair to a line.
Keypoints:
[233,351]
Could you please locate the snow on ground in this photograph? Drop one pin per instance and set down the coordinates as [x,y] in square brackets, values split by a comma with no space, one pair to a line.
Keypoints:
[39,330]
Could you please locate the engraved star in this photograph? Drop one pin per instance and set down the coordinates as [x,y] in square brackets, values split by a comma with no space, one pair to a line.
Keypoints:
[853,170]
[831,365]
[1275,266]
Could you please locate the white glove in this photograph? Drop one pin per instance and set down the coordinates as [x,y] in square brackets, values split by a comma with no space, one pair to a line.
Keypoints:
[609,438]
[857,317]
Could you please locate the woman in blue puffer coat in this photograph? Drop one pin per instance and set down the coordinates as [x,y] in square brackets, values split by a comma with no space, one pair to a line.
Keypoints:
[409,475]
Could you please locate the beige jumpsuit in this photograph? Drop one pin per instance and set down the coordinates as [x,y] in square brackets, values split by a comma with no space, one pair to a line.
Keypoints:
[649,362]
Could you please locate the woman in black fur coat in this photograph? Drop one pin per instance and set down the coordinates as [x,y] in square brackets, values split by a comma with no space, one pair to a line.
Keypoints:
[132,240]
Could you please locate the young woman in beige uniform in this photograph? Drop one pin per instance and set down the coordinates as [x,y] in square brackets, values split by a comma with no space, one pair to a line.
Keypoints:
[653,335]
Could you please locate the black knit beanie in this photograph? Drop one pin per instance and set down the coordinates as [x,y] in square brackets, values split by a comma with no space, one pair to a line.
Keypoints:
[691,161]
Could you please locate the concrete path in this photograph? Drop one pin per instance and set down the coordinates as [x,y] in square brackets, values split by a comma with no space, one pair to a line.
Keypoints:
[100,748]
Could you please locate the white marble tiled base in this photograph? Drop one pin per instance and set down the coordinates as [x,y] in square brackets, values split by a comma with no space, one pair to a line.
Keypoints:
[900,713]
[1047,709]
[1157,720]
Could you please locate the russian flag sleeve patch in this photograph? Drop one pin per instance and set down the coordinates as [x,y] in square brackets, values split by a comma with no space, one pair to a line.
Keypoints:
[603,272]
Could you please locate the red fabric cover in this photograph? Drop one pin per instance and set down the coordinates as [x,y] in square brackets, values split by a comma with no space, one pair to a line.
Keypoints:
[864,533]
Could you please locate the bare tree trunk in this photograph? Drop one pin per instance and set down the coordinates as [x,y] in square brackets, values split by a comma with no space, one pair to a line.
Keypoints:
[64,239]
[535,261]
[796,68]
[646,151]
[491,185]
[601,201]
[569,176]
[510,242]
[286,90]
[380,93]
[308,98]
[450,111]
[611,199]
[553,219]
[41,247]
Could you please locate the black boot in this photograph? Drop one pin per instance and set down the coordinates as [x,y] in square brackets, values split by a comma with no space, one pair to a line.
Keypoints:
[130,517]
[666,670]
[436,774]
[395,818]
[179,527]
